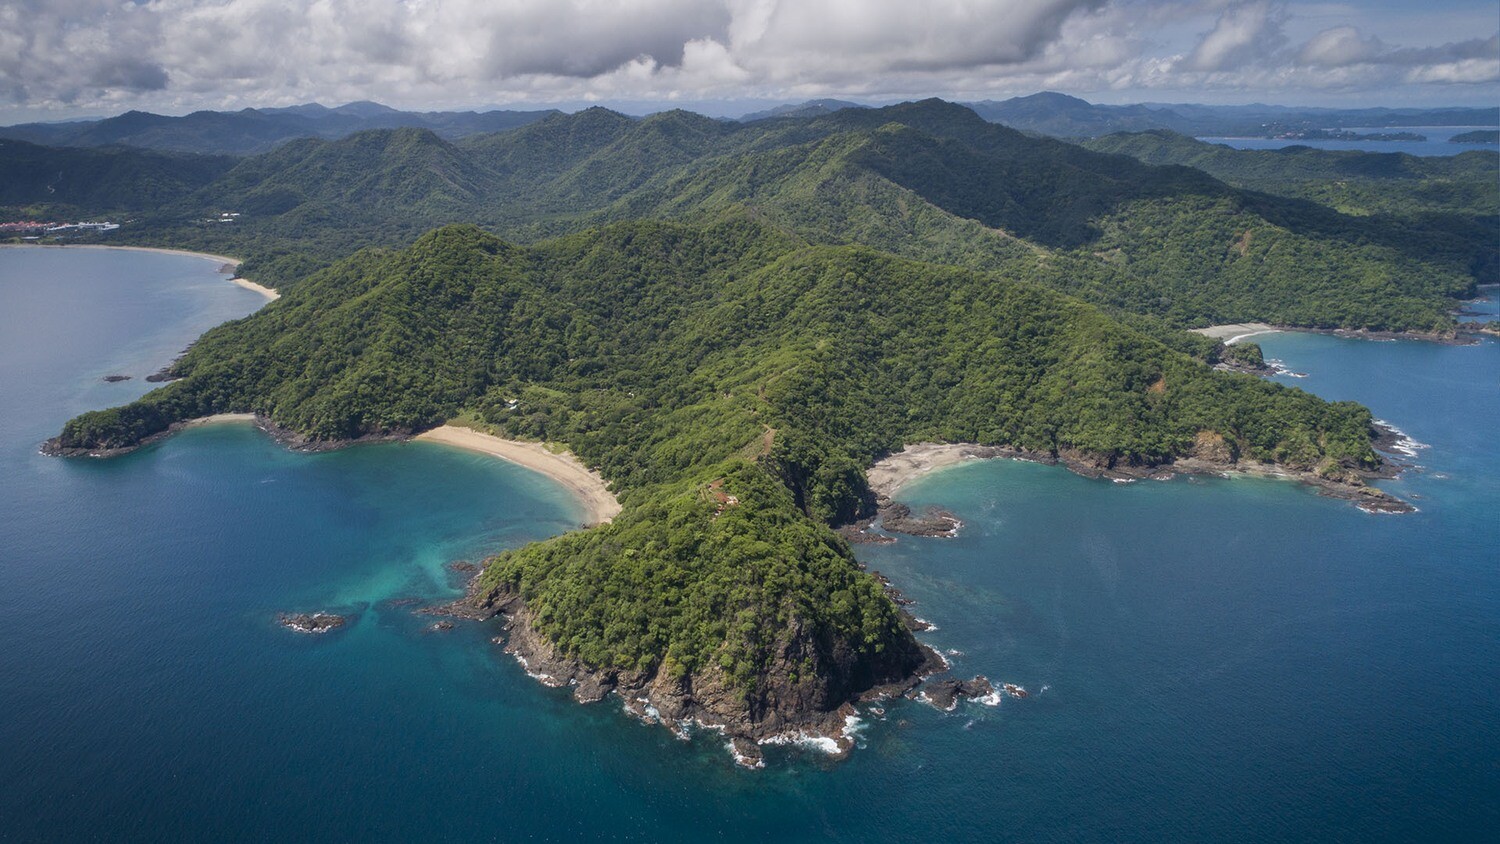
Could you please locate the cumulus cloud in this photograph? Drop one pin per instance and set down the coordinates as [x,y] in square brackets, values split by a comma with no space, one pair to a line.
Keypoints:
[176,54]
[1244,32]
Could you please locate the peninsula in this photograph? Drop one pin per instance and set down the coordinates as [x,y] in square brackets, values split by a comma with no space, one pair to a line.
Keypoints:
[729,345]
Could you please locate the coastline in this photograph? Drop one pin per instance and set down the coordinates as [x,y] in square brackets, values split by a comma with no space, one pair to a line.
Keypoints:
[587,487]
[271,295]
[227,264]
[890,473]
[1234,332]
[160,250]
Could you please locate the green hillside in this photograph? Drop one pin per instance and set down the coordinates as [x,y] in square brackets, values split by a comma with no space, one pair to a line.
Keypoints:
[688,363]
[929,181]
[1359,183]
[44,182]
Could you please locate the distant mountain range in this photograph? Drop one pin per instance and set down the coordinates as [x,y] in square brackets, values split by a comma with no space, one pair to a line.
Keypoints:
[251,131]
[1063,116]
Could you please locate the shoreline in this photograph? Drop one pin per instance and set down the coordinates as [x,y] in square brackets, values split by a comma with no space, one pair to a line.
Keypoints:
[889,474]
[590,490]
[1234,332]
[227,264]
[584,485]
[270,294]
[705,700]
[160,250]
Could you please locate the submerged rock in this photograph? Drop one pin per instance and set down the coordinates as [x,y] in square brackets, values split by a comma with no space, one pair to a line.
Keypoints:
[114,379]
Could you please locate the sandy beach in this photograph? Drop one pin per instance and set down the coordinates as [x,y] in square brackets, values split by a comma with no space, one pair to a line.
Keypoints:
[258,288]
[916,460]
[1235,332]
[219,419]
[599,503]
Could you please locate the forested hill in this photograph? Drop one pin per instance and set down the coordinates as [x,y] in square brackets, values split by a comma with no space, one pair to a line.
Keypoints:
[1467,184]
[732,382]
[79,182]
[929,180]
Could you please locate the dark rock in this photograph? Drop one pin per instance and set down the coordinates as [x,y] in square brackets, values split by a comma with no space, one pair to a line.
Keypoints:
[463,566]
[115,379]
[746,753]
[945,694]
[439,626]
[898,518]
[311,623]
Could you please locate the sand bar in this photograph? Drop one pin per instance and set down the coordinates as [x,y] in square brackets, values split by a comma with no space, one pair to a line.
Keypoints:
[1235,332]
[585,484]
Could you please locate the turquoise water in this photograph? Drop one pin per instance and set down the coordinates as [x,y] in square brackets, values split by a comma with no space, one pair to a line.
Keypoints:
[1209,659]
[1437,143]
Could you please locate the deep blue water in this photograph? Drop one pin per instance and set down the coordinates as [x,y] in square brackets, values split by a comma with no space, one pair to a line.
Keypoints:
[1221,659]
[1437,143]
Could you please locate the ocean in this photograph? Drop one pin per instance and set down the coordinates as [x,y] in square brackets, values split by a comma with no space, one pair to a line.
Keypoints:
[1437,143]
[1207,659]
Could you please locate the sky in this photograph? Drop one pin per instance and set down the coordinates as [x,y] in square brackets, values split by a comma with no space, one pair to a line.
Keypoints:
[68,59]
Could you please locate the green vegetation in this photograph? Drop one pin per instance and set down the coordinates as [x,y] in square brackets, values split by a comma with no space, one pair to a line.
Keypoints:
[1357,183]
[53,183]
[929,181]
[695,364]
[732,321]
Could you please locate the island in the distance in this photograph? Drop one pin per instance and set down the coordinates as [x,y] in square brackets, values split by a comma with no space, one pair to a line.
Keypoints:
[1478,136]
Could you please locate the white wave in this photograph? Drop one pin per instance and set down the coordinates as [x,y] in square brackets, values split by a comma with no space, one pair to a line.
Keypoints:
[822,744]
[1375,511]
[1404,443]
[930,626]
[741,759]
[924,697]
[1280,368]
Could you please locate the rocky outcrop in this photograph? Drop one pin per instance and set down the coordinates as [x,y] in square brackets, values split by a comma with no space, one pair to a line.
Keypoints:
[804,692]
[945,694]
[311,623]
[899,518]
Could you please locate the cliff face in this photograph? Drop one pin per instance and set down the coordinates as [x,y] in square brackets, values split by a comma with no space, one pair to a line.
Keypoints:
[804,689]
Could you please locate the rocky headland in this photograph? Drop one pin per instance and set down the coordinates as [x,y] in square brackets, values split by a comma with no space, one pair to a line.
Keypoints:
[806,693]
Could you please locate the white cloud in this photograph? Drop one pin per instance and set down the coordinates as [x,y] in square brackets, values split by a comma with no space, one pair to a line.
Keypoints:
[173,55]
[1244,32]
